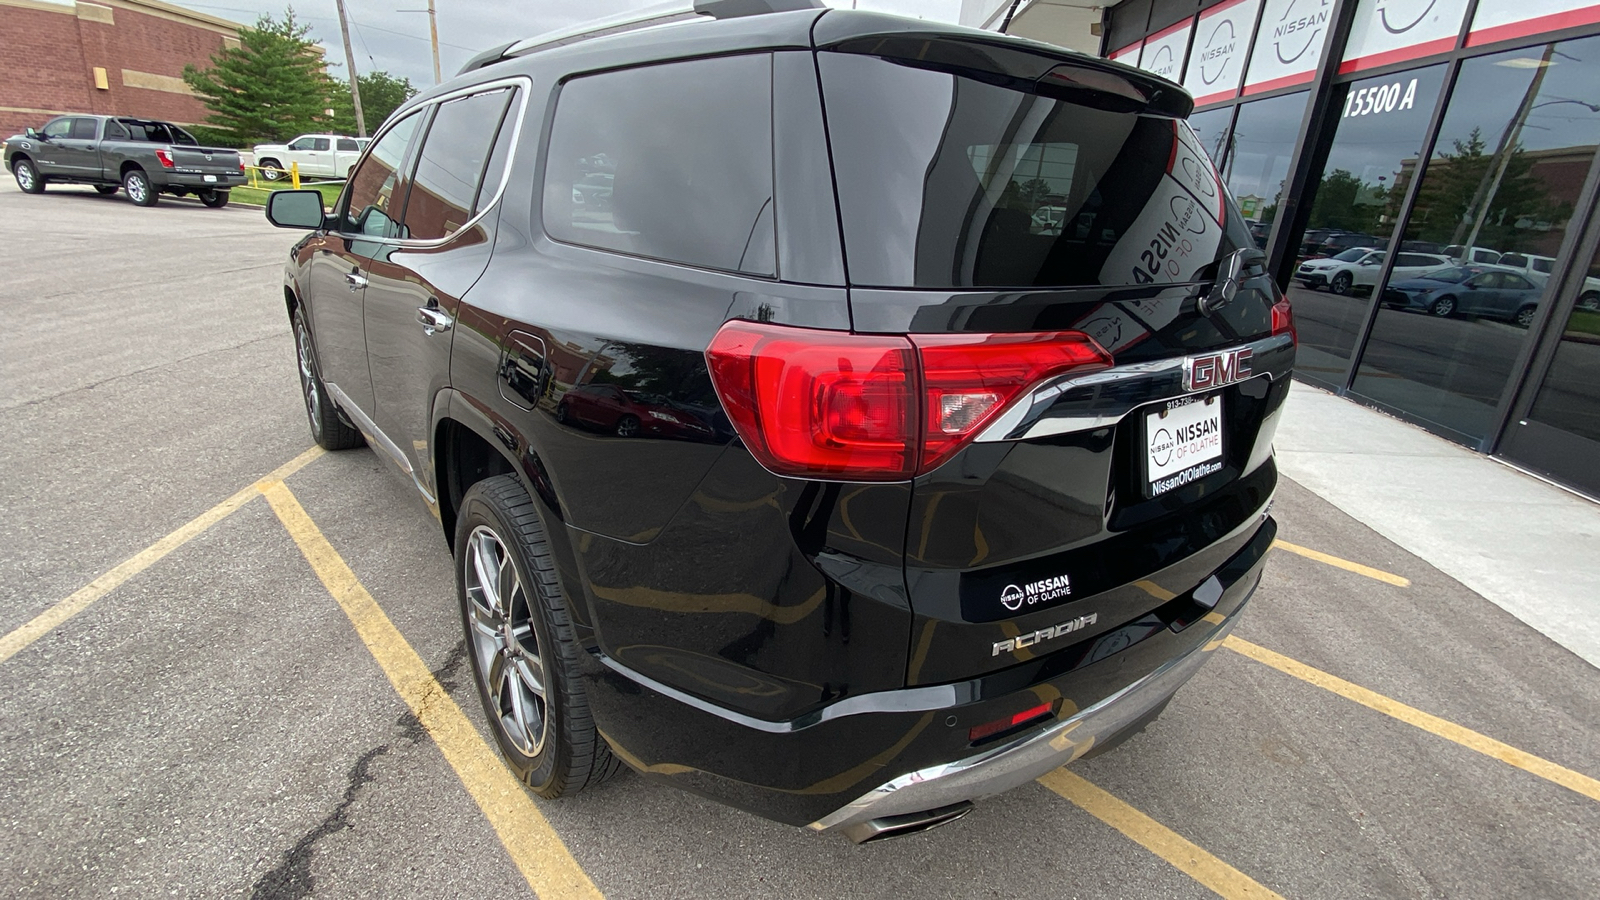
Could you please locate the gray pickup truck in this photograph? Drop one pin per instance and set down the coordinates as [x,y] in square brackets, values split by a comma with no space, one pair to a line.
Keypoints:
[145,157]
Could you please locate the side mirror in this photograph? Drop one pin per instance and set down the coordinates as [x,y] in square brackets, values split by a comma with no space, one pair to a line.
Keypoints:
[295,209]
[34,133]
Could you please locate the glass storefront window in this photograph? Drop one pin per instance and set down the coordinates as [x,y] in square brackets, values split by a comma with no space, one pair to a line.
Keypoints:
[1512,154]
[1569,398]
[1211,127]
[1260,146]
[1381,126]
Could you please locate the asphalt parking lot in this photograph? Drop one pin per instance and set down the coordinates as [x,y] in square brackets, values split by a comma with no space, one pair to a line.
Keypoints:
[230,666]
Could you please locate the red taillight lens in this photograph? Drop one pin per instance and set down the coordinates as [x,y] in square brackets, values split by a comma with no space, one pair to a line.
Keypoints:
[1283,319]
[875,407]
[165,157]
[970,378]
[241,164]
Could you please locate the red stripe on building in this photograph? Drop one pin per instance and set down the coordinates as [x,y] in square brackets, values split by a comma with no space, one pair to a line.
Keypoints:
[1228,94]
[1572,18]
[1275,83]
[1220,7]
[1170,29]
[1415,51]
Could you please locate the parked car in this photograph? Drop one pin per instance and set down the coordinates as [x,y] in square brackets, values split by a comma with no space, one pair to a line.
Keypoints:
[627,413]
[144,157]
[1478,256]
[318,155]
[1358,268]
[1338,243]
[1469,291]
[940,558]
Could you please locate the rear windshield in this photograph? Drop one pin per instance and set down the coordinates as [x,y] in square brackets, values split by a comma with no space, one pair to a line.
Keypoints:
[948,181]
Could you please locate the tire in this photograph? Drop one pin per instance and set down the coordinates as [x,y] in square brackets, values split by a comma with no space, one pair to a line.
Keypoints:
[271,169]
[1589,300]
[1444,307]
[628,426]
[1341,283]
[28,177]
[105,189]
[214,199]
[328,427]
[1524,317]
[532,696]
[563,414]
[136,184]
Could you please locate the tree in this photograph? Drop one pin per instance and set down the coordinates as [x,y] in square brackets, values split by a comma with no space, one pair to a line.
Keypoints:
[381,95]
[271,87]
[1454,194]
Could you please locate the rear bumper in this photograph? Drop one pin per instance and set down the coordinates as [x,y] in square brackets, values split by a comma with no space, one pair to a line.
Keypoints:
[224,181]
[998,770]
[875,755]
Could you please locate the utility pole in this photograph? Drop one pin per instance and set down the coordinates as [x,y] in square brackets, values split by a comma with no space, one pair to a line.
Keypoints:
[350,68]
[433,32]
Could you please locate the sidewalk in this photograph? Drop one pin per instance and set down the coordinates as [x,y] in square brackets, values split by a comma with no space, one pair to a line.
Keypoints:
[1527,546]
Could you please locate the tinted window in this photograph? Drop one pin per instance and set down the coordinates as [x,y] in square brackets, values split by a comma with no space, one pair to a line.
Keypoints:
[83,129]
[1517,282]
[949,181]
[116,131]
[376,184]
[1513,259]
[1260,145]
[672,162]
[319,143]
[1211,127]
[347,146]
[495,172]
[451,164]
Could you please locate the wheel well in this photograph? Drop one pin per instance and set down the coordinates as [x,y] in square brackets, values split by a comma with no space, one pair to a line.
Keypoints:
[290,301]
[127,165]
[19,157]
[462,459]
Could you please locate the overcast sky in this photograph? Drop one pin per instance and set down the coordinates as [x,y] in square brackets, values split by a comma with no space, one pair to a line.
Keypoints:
[387,39]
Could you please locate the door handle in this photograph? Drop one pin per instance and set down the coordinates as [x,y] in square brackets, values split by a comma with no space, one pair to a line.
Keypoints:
[433,319]
[355,280]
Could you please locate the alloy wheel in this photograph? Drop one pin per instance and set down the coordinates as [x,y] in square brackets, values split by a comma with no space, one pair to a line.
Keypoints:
[308,377]
[1525,317]
[506,642]
[136,188]
[25,176]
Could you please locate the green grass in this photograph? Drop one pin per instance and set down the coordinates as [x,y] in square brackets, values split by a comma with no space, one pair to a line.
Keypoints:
[258,196]
[1584,322]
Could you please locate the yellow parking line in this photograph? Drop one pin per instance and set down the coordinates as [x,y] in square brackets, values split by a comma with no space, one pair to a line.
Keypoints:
[1347,565]
[1177,850]
[1450,731]
[532,844]
[45,622]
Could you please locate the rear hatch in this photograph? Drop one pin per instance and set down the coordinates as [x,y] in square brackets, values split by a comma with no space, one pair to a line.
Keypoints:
[996,187]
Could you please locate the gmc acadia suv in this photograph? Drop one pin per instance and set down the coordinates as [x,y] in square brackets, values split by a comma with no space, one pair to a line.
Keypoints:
[814,470]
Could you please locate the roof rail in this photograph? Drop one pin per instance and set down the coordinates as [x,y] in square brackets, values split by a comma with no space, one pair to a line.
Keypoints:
[659,14]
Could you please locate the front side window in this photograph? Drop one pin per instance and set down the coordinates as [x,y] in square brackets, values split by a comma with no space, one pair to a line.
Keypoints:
[300,144]
[375,193]
[57,129]
[672,162]
[451,164]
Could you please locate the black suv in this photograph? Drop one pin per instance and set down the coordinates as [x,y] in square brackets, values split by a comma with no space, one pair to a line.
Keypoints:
[919,498]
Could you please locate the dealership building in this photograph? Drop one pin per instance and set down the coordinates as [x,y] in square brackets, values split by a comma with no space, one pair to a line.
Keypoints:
[109,57]
[1427,129]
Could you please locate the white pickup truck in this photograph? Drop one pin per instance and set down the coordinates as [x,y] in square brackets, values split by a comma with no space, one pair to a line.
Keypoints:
[321,155]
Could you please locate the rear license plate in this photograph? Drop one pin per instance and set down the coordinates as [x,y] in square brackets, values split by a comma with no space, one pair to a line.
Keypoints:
[1183,441]
[211,178]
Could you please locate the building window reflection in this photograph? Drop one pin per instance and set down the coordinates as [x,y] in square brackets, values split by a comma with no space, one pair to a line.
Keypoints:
[1509,163]
[1260,147]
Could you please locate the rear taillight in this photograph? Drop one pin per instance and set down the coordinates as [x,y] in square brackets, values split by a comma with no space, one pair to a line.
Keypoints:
[1283,319]
[876,407]
[241,164]
[165,157]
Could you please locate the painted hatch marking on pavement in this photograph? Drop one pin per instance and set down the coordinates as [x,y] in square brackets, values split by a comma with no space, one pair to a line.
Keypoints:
[531,842]
[1347,565]
[1183,854]
[1450,731]
[81,599]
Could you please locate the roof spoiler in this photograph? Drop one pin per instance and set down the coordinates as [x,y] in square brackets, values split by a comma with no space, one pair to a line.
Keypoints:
[660,14]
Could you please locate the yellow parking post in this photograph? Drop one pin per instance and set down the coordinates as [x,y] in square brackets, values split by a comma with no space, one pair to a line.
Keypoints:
[294,175]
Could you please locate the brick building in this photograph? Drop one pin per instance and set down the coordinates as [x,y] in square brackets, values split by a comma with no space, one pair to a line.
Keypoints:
[112,57]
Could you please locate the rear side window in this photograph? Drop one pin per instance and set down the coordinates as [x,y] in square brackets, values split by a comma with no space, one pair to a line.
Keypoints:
[451,163]
[116,131]
[950,181]
[83,129]
[347,146]
[374,193]
[672,162]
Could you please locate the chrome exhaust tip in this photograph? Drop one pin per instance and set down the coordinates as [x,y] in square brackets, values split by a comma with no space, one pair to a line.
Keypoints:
[905,823]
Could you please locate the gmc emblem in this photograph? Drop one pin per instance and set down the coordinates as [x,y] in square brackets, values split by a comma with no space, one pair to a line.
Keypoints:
[1216,369]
